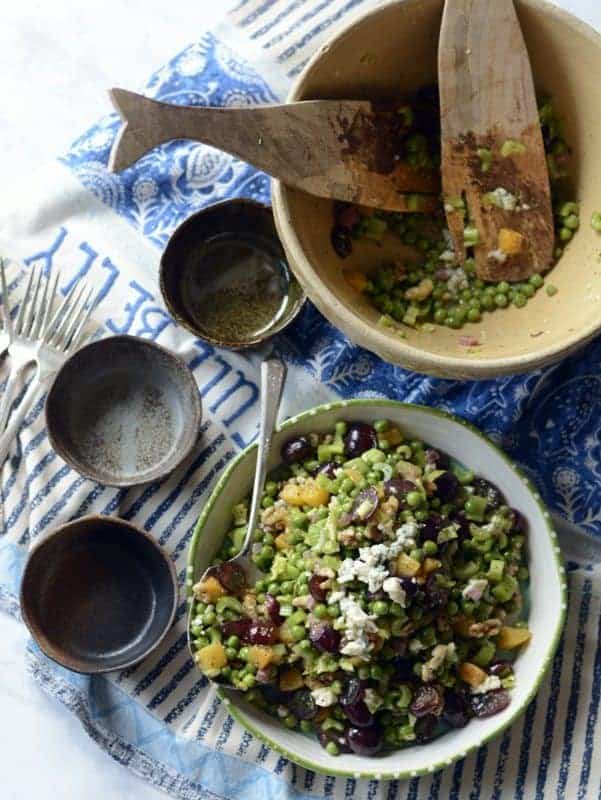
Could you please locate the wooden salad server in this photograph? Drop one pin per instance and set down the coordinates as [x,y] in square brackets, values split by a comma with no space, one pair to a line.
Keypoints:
[341,149]
[494,171]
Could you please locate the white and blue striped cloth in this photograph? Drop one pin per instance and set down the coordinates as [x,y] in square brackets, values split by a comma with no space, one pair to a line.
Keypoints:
[160,718]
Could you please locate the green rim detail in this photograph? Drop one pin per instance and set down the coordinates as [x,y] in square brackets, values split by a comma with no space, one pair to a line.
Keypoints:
[561,577]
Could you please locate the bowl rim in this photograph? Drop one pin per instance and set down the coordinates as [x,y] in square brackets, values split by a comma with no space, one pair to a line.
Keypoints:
[553,642]
[343,315]
[156,474]
[181,319]
[131,529]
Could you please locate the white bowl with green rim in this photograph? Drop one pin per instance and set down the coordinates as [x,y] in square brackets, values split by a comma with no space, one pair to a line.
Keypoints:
[548,597]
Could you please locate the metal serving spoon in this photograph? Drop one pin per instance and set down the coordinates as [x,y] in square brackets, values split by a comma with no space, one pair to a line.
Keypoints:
[241,571]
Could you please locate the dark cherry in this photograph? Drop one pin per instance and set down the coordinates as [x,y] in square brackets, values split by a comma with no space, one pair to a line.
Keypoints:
[440,460]
[425,729]
[501,667]
[317,593]
[272,606]
[353,691]
[437,596]
[428,699]
[302,704]
[328,469]
[237,627]
[358,714]
[398,487]
[456,712]
[365,505]
[297,449]
[359,438]
[403,668]
[493,494]
[365,741]
[262,633]
[432,527]
[409,586]
[446,487]
[231,576]
[341,242]
[324,638]
[489,703]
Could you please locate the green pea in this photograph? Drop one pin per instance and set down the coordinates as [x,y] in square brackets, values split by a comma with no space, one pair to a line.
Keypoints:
[381,425]
[536,280]
[453,321]
[519,299]
[297,632]
[233,642]
[243,653]
[209,618]
[334,610]
[474,315]
[440,316]
[332,748]
[501,300]
[290,721]
[231,653]
[430,547]
[267,552]
[306,726]
[527,290]
[417,554]
[572,222]
[565,234]
[414,499]
[380,608]
[488,302]
[375,672]
[320,611]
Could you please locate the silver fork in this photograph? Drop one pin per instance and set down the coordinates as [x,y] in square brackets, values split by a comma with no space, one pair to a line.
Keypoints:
[61,334]
[24,332]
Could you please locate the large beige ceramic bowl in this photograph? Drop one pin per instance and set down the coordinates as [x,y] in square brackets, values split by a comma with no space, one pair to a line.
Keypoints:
[400,40]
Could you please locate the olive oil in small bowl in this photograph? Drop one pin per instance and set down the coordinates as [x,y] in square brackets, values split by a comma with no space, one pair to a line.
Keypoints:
[225,278]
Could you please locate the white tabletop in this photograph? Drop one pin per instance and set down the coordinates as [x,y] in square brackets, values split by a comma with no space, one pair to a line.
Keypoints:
[57,59]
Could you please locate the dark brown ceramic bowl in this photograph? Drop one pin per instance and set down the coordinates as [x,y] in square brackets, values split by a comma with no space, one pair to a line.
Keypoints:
[98,594]
[123,411]
[187,269]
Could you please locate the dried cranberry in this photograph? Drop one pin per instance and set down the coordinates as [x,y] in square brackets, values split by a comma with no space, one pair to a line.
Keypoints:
[425,729]
[398,487]
[231,576]
[324,637]
[237,627]
[317,593]
[489,703]
[432,527]
[437,596]
[456,712]
[261,633]
[297,449]
[427,699]
[359,438]
[341,242]
[272,607]
[518,521]
[328,469]
[302,704]
[365,741]
[501,667]
[493,494]
[347,216]
[409,586]
[440,460]
[446,487]
[331,735]
[365,505]
[403,668]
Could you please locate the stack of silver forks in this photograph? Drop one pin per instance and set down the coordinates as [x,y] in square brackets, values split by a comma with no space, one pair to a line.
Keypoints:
[39,338]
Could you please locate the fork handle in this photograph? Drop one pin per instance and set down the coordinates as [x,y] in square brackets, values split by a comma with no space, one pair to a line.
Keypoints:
[6,439]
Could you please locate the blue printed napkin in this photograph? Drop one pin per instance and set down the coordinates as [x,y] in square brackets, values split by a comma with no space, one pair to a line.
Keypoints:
[160,718]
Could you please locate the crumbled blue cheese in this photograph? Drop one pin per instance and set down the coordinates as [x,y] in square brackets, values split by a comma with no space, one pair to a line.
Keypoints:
[434,663]
[499,256]
[335,597]
[503,199]
[372,700]
[448,256]
[394,590]
[323,697]
[475,589]
[357,627]
[489,684]
[404,539]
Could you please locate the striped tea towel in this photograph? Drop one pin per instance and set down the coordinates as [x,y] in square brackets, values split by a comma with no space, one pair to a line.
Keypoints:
[160,718]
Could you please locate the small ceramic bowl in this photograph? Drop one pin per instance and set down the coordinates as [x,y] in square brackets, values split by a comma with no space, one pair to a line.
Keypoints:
[547,594]
[123,411]
[211,256]
[390,52]
[98,594]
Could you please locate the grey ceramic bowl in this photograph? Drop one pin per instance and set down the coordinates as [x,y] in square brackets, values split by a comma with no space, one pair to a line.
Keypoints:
[190,269]
[123,411]
[98,594]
